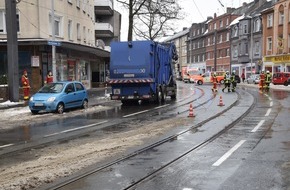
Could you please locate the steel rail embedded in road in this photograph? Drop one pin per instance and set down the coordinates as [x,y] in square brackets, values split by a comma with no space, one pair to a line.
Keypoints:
[156,144]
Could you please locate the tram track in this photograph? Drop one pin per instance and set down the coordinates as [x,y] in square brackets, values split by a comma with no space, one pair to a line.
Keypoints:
[16,148]
[171,138]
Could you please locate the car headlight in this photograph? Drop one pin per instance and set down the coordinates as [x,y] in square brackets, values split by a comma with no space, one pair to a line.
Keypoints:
[51,99]
[31,98]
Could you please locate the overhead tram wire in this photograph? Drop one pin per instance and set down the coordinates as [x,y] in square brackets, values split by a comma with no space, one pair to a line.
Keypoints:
[198,9]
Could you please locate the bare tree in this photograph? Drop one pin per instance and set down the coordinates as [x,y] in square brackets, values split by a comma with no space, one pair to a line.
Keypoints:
[150,18]
[156,18]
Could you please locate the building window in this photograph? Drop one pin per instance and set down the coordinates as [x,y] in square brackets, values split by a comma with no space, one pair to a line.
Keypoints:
[3,22]
[57,25]
[220,53]
[269,44]
[84,5]
[208,55]
[78,31]
[228,52]
[78,3]
[257,48]
[221,38]
[84,34]
[235,31]
[245,29]
[269,20]
[214,25]
[197,31]
[257,25]
[235,51]
[70,30]
[228,36]
[227,21]
[221,23]
[208,41]
[193,33]
[213,39]
[202,30]
[246,48]
[281,17]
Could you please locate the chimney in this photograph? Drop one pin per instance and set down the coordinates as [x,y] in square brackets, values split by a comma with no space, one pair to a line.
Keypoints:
[214,15]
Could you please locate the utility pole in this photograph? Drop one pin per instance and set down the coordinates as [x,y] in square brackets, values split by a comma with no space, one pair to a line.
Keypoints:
[53,39]
[215,49]
[12,50]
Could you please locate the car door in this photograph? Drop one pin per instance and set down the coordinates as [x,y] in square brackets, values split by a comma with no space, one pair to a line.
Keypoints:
[70,96]
[81,93]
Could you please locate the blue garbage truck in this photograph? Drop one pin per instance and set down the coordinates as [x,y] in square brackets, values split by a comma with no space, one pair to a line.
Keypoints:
[142,70]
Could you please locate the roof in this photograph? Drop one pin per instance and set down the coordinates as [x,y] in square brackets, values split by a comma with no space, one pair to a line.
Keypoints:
[177,35]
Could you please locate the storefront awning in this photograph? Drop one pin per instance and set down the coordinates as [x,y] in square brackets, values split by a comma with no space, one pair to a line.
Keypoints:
[68,45]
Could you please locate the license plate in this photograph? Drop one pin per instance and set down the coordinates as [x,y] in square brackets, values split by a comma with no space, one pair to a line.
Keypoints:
[38,104]
[130,97]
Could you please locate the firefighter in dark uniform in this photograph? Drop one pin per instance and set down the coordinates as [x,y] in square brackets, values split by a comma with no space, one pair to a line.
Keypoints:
[227,81]
[268,79]
[233,81]
[214,81]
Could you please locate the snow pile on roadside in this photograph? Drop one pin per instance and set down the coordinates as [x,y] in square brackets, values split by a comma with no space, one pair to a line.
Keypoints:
[15,111]
[8,103]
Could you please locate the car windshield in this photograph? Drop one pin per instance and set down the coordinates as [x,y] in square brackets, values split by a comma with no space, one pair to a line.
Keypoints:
[52,88]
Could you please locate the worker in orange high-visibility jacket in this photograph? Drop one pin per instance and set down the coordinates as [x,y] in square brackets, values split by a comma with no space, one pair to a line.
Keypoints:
[262,81]
[214,81]
[49,77]
[25,85]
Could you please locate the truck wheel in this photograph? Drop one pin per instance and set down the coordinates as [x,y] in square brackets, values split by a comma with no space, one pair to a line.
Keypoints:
[164,94]
[285,83]
[158,98]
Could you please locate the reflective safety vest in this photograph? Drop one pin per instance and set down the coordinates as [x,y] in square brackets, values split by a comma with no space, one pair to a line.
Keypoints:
[227,78]
[268,77]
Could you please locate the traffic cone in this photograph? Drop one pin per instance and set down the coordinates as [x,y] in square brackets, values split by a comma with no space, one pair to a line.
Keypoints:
[221,102]
[191,111]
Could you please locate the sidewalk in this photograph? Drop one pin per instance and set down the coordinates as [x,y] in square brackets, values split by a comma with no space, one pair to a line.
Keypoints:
[96,96]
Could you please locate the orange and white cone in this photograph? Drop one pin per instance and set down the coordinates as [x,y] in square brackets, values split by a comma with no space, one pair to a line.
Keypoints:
[221,102]
[191,111]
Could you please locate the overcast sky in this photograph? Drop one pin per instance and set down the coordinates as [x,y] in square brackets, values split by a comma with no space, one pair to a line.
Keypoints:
[195,11]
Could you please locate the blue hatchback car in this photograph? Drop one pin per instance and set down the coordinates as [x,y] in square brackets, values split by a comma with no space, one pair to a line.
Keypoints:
[58,96]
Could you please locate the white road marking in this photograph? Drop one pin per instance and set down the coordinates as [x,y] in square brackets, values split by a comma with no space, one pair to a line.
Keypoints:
[75,129]
[258,126]
[161,106]
[136,113]
[229,153]
[268,112]
[6,145]
[271,104]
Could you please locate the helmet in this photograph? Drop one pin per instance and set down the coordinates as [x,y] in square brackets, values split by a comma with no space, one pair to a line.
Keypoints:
[227,72]
[214,73]
[268,71]
[262,71]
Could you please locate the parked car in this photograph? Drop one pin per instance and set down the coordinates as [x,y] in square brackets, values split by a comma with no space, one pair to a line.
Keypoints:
[281,78]
[59,96]
[253,79]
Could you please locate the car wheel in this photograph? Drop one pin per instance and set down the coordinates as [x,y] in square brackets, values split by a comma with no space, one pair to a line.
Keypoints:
[60,108]
[199,82]
[85,104]
[222,81]
[34,111]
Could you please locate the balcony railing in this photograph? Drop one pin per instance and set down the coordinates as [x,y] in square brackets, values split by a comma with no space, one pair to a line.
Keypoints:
[103,7]
[104,30]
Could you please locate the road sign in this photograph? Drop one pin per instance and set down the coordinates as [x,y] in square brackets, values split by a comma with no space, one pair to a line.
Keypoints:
[54,43]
